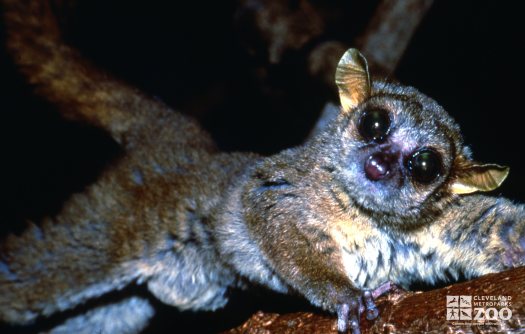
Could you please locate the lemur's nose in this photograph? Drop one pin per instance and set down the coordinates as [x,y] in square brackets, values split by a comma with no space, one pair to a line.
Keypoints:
[379,165]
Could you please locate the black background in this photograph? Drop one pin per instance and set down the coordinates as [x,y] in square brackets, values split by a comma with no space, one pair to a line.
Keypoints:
[466,54]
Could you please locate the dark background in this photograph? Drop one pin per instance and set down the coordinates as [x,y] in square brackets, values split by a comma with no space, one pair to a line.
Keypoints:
[466,54]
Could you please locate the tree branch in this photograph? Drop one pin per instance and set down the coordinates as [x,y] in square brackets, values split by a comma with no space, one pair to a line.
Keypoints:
[389,32]
[412,312]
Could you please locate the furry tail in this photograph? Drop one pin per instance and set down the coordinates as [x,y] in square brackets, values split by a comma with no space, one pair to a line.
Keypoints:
[81,91]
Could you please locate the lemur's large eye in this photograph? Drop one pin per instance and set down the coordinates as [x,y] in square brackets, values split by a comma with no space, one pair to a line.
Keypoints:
[425,165]
[374,125]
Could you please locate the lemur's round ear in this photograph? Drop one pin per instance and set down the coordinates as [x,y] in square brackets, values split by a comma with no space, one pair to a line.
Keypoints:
[352,79]
[471,176]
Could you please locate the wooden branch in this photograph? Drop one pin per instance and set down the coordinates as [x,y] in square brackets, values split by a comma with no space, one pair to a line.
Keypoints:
[276,25]
[383,43]
[389,32]
[414,312]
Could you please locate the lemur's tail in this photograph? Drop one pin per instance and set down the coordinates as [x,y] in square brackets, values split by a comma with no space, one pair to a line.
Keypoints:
[80,90]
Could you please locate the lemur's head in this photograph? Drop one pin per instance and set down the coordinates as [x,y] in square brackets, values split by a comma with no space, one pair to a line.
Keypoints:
[396,150]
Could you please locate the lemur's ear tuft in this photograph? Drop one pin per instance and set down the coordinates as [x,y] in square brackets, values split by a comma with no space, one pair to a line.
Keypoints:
[352,79]
[471,177]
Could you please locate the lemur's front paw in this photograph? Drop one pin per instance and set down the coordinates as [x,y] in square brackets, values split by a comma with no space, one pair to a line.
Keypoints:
[348,314]
[371,311]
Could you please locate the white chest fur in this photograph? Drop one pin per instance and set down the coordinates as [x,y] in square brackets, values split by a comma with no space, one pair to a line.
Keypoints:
[369,265]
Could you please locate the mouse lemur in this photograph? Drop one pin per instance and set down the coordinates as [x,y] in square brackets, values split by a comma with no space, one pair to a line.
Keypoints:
[385,191]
